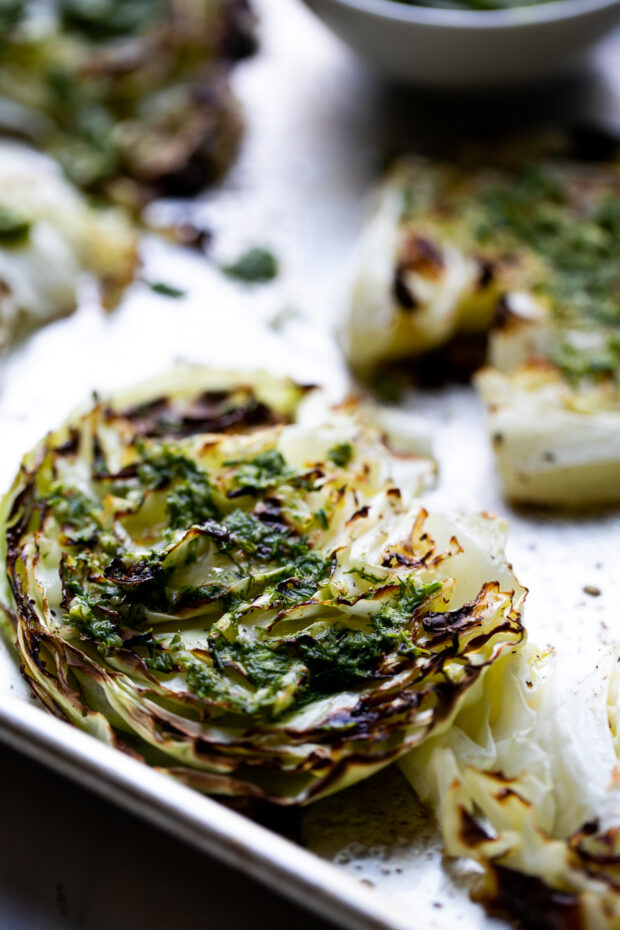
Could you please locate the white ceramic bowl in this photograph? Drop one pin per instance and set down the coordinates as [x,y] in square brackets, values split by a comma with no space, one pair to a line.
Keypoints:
[466,49]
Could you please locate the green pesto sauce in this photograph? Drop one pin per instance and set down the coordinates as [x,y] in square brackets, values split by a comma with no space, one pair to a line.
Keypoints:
[583,252]
[334,660]
[581,280]
[569,253]
[46,69]
[83,113]
[108,591]
[262,472]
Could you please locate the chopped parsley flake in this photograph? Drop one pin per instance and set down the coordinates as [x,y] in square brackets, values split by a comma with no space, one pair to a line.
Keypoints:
[256,266]
[166,290]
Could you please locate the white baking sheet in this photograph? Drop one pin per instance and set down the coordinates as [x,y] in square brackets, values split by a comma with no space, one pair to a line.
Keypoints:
[319,128]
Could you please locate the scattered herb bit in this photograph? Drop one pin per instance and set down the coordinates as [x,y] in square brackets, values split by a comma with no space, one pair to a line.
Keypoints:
[190,499]
[78,515]
[159,660]
[166,290]
[366,576]
[190,503]
[577,363]
[256,266]
[165,463]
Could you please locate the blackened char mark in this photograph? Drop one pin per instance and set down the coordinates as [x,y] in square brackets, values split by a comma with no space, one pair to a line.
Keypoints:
[239,39]
[247,416]
[402,295]
[599,851]
[455,362]
[199,157]
[133,575]
[486,273]
[17,522]
[420,255]
[472,833]
[533,904]
[360,514]
[269,511]
[450,621]
[210,412]
[70,445]
[504,315]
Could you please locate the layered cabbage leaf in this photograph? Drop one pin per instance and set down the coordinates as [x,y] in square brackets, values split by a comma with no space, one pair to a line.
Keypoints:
[526,783]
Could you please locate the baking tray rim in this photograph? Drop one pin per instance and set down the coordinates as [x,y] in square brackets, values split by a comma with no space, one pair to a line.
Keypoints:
[199,820]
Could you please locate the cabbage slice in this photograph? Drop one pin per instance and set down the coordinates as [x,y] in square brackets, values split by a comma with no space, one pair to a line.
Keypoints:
[250,604]
[526,783]
[132,99]
[522,246]
[49,237]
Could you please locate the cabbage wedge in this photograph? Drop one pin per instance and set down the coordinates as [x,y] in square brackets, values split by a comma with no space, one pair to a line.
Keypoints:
[50,237]
[132,98]
[526,783]
[522,244]
[251,604]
